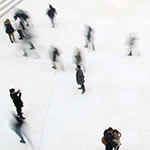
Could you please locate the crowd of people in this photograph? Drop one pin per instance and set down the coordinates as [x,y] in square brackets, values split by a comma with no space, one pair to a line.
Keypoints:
[21,24]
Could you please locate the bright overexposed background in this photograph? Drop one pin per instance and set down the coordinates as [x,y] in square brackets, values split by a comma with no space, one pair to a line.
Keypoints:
[117,86]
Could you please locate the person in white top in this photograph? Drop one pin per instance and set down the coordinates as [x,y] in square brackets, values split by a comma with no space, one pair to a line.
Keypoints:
[18,27]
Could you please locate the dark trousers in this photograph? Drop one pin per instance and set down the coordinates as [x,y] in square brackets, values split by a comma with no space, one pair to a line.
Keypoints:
[83,87]
[20,34]
[19,111]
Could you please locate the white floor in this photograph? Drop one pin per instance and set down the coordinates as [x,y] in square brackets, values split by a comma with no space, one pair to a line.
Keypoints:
[117,86]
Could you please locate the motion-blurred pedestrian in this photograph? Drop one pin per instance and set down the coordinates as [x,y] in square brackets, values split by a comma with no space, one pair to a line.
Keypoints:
[89,38]
[51,12]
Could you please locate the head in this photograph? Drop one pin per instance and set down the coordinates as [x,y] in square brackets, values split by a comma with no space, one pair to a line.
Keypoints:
[12,90]
[50,6]
[15,17]
[110,130]
[78,67]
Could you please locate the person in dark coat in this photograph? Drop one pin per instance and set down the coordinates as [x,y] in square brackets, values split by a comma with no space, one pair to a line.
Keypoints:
[108,135]
[80,78]
[89,38]
[9,30]
[51,13]
[16,97]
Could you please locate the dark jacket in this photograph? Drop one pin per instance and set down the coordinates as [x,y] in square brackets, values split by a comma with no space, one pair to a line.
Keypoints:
[55,54]
[109,139]
[51,12]
[9,28]
[80,77]
[16,97]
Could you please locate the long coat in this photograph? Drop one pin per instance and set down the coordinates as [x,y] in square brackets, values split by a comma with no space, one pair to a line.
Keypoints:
[80,77]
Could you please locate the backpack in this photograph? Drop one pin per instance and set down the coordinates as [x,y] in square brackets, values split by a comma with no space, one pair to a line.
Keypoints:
[103,140]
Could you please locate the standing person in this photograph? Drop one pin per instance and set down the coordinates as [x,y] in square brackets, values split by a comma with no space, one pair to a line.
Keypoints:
[108,135]
[89,38]
[117,135]
[18,27]
[51,12]
[9,30]
[80,78]
[16,97]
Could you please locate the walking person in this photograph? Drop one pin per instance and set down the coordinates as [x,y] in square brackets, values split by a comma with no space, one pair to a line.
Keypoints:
[131,44]
[16,97]
[24,17]
[27,40]
[18,126]
[9,30]
[54,54]
[89,38]
[78,58]
[80,78]
[51,12]
[18,27]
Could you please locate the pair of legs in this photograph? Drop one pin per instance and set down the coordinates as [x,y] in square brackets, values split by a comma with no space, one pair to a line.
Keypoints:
[52,21]
[20,34]
[83,88]
[19,112]
[11,37]
[88,42]
[130,50]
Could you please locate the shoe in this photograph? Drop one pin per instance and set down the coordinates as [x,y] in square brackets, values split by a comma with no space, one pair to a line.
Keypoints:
[22,117]
[83,92]
[54,67]
[22,141]
[25,54]
[80,88]
[130,54]
[32,48]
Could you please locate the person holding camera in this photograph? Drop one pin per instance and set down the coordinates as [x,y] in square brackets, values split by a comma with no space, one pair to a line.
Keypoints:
[16,97]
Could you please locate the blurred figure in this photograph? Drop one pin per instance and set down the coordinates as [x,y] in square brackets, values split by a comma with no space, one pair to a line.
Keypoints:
[80,78]
[78,58]
[18,27]
[54,57]
[16,97]
[23,16]
[9,30]
[27,40]
[18,127]
[51,12]
[131,43]
[89,38]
